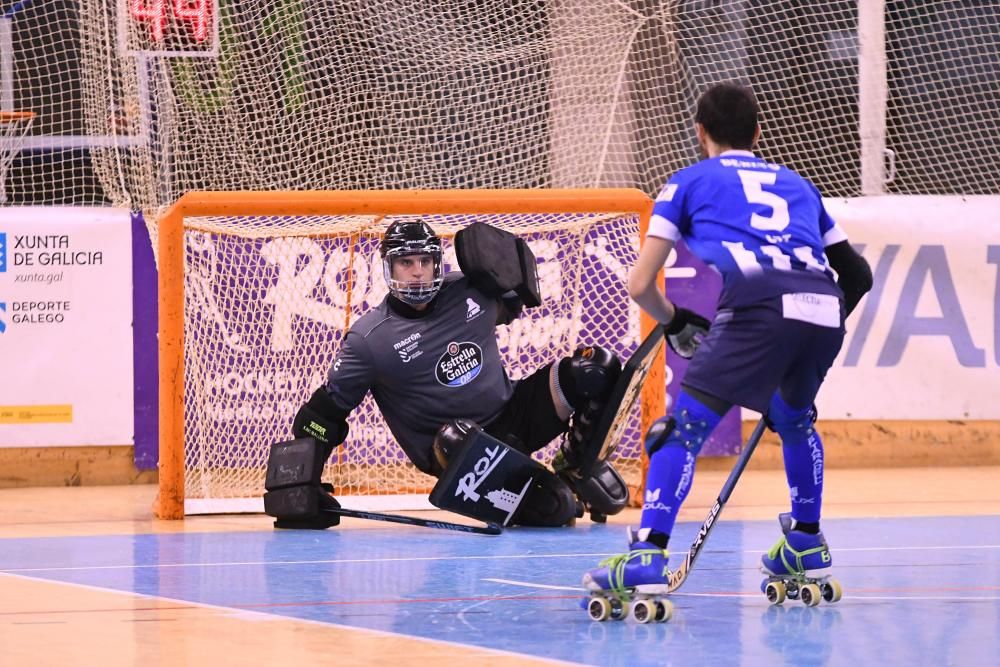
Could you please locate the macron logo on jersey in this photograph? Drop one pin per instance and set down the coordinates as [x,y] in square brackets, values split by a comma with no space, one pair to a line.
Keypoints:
[3,252]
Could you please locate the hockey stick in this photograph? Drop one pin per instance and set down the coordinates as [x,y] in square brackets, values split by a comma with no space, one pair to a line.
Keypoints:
[679,576]
[488,529]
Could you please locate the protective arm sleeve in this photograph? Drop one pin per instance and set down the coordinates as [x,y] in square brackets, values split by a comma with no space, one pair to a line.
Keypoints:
[854,275]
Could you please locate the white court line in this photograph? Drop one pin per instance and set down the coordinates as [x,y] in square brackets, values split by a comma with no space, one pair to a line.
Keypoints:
[582,592]
[347,561]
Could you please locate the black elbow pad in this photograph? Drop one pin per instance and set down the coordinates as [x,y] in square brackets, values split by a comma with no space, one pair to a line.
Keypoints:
[854,273]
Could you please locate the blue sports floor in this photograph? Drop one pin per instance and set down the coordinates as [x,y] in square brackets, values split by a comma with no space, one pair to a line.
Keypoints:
[917,591]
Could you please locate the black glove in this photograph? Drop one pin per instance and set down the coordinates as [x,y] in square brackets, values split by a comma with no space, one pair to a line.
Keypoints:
[322,419]
[685,332]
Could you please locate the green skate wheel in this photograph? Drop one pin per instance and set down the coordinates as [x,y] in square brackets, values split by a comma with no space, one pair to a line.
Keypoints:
[832,592]
[775,592]
[810,595]
[599,609]
[664,610]
[644,611]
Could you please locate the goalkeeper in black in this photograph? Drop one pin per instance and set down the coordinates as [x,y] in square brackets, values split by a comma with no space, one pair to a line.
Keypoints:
[428,353]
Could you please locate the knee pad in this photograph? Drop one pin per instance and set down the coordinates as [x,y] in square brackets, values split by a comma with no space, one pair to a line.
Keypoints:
[590,374]
[789,422]
[586,380]
[657,434]
[689,426]
[450,439]
[604,491]
[549,504]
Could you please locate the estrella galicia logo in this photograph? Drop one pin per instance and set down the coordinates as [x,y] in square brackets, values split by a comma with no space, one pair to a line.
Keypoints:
[459,365]
[3,320]
[3,252]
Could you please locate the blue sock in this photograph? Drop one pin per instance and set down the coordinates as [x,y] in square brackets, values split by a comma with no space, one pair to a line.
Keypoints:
[802,450]
[804,470]
[671,467]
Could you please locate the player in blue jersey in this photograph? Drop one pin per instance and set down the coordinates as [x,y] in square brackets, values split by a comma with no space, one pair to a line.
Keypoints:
[789,278]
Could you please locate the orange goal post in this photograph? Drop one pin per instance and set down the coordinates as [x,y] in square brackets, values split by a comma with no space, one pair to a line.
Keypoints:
[257,289]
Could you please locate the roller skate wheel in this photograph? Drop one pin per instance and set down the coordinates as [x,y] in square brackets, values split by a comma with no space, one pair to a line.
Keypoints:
[644,611]
[599,609]
[791,590]
[618,610]
[810,595]
[664,611]
[832,592]
[775,592]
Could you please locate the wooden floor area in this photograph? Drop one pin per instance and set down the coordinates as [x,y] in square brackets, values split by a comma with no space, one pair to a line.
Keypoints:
[47,622]
[761,494]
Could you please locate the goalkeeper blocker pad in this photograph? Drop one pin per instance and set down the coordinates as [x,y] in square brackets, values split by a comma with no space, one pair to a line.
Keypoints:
[496,261]
[295,497]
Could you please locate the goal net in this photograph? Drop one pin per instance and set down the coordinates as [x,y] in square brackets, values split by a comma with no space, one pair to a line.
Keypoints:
[258,290]
[140,101]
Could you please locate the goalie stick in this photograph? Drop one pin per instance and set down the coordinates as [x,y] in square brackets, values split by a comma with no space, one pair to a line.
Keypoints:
[488,529]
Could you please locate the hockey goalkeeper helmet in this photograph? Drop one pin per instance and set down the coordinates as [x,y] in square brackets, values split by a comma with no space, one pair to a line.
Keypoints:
[407,238]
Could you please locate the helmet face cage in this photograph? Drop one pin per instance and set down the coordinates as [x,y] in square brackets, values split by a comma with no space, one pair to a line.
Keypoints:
[407,239]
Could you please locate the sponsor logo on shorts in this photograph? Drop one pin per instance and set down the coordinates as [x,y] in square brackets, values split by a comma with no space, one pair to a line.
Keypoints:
[459,365]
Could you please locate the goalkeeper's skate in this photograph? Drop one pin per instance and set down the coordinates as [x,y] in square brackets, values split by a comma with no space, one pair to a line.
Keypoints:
[798,567]
[632,584]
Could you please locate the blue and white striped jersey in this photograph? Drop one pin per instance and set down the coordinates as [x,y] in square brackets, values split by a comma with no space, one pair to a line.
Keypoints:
[761,225]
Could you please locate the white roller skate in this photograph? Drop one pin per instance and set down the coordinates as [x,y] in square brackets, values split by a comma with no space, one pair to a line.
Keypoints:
[632,584]
[798,568]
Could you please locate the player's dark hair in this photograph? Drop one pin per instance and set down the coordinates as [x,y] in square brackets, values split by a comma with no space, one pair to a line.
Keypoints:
[730,114]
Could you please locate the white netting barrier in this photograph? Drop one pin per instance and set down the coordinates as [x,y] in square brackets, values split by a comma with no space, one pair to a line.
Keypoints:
[141,101]
[267,303]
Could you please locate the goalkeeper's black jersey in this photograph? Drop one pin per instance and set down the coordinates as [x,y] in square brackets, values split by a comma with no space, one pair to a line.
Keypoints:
[425,370]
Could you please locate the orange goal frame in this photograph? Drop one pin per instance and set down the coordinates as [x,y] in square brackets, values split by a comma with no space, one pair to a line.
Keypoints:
[170,228]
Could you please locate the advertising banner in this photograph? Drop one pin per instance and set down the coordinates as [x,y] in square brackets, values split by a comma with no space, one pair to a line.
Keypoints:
[65,327]
[925,343]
